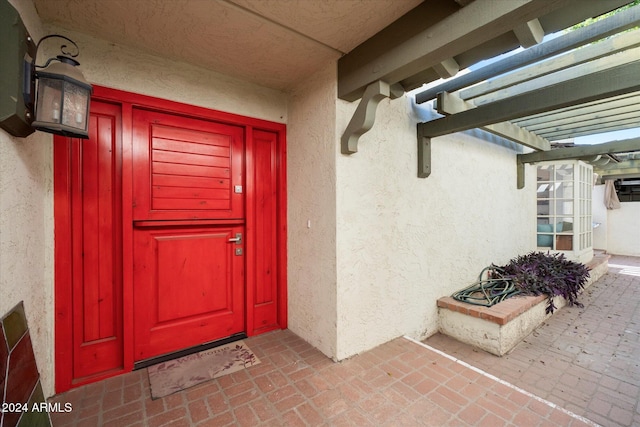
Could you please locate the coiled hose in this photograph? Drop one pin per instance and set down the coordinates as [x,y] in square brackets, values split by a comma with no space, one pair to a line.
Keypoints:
[489,291]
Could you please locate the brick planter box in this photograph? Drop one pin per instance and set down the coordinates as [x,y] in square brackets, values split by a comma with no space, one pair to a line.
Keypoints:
[498,329]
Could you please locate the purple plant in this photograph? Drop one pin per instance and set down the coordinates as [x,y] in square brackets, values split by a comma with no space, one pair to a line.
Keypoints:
[547,274]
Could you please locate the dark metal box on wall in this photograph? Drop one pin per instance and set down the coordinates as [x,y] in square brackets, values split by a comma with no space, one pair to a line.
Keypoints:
[15,46]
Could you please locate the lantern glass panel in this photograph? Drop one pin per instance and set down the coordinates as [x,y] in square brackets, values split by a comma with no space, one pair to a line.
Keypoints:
[75,106]
[49,104]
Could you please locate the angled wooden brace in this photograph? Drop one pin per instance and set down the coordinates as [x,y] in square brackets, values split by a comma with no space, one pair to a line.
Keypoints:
[365,114]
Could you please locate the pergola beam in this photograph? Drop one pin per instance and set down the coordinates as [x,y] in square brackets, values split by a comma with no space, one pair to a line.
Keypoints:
[610,46]
[598,85]
[447,68]
[530,33]
[596,31]
[626,169]
[472,25]
[579,152]
[576,152]
[600,64]
[602,110]
[586,127]
[622,173]
[626,99]
[613,127]
[451,104]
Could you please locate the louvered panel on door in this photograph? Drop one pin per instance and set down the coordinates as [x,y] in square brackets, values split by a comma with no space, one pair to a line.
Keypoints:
[192,169]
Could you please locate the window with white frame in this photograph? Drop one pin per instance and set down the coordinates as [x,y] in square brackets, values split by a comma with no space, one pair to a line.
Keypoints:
[564,221]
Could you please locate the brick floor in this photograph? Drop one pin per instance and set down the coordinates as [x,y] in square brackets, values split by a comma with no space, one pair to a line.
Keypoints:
[585,360]
[582,365]
[401,383]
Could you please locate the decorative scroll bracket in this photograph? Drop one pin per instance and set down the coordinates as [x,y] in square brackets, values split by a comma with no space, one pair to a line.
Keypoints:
[365,114]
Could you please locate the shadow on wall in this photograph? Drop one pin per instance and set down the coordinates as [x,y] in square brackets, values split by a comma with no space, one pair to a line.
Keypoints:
[23,402]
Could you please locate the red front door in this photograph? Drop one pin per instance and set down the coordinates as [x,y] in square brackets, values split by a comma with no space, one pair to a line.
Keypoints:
[188,249]
[170,231]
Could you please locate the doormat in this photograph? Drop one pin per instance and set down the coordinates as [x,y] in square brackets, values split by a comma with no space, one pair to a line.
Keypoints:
[179,374]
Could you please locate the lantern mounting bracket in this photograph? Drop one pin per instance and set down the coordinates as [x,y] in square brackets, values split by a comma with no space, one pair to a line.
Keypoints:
[63,50]
[30,66]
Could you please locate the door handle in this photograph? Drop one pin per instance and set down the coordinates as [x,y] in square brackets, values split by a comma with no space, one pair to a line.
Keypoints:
[237,239]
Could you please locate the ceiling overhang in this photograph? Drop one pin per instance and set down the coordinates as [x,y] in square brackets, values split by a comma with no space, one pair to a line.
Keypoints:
[275,44]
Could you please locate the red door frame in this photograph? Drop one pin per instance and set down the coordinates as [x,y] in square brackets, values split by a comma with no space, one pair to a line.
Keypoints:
[63,294]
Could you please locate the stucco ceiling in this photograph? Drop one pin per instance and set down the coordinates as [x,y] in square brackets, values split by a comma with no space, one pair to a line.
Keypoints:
[274,43]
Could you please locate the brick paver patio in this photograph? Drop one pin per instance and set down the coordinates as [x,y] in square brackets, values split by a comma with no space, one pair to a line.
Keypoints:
[580,367]
[586,359]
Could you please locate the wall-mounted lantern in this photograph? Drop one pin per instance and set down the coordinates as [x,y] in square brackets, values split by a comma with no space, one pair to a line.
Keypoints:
[62,94]
[53,97]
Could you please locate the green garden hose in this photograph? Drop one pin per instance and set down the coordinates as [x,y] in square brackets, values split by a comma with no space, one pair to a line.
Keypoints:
[487,292]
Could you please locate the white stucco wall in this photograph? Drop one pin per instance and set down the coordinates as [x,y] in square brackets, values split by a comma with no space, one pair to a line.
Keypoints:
[26,227]
[26,239]
[123,68]
[619,230]
[311,169]
[403,242]
[599,214]
[623,230]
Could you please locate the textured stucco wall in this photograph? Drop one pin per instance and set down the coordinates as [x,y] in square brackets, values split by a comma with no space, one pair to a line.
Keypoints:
[619,230]
[623,229]
[26,227]
[26,239]
[127,69]
[599,213]
[403,242]
[311,170]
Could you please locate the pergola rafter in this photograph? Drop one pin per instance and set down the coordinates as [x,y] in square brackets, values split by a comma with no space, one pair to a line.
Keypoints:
[582,92]
[440,37]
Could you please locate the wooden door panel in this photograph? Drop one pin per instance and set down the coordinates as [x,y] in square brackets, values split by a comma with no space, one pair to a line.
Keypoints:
[96,239]
[189,287]
[265,239]
[186,168]
[189,259]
